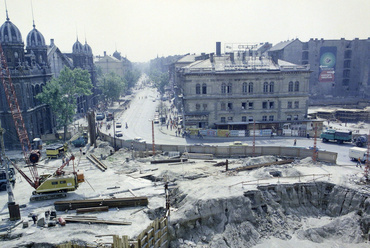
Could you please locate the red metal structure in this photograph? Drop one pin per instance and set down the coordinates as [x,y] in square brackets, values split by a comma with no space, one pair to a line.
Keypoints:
[31,157]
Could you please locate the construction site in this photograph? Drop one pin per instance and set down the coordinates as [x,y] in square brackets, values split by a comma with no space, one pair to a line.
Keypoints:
[118,193]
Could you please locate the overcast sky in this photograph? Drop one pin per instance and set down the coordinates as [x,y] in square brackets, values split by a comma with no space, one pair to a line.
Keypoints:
[143,29]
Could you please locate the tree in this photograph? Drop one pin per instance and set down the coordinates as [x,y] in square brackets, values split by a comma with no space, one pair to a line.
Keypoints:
[131,77]
[61,94]
[161,80]
[112,86]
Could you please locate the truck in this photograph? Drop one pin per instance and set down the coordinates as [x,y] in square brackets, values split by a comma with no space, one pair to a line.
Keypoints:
[357,152]
[56,151]
[338,136]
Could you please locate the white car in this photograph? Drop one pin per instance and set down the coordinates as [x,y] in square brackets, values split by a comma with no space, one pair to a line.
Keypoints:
[118,125]
[119,134]
[139,139]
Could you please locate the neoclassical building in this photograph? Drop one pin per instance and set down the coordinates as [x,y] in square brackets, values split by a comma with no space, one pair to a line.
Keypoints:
[29,71]
[116,63]
[237,90]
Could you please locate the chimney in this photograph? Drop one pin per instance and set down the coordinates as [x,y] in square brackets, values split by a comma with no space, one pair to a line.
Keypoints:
[211,57]
[105,53]
[218,48]
[232,57]
[51,42]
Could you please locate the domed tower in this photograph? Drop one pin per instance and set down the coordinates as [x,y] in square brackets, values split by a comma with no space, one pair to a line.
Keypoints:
[36,47]
[12,44]
[78,55]
[117,55]
[89,55]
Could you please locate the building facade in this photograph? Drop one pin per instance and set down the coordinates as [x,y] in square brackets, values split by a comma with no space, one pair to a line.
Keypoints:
[340,68]
[116,63]
[29,71]
[238,90]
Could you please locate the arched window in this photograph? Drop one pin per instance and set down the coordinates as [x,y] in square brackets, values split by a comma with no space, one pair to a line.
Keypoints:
[250,88]
[197,89]
[204,89]
[290,89]
[296,86]
[265,87]
[223,88]
[245,88]
[271,87]
[229,88]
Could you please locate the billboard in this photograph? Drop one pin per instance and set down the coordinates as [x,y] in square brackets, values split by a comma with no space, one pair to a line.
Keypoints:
[328,59]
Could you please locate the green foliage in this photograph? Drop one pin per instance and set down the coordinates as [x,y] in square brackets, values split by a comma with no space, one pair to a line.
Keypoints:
[160,80]
[112,86]
[61,94]
[131,77]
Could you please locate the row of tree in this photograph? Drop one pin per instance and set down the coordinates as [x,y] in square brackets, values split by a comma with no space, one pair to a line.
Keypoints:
[61,93]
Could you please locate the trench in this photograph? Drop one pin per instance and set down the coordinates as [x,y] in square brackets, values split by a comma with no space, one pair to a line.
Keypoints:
[273,211]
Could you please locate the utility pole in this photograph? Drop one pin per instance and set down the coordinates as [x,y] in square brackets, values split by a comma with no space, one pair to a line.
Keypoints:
[153,143]
[254,138]
[315,150]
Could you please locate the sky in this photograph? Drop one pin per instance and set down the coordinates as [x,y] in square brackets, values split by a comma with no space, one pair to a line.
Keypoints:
[144,29]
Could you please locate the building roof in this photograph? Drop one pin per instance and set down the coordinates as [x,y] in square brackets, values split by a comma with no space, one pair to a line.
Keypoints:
[282,45]
[53,49]
[232,63]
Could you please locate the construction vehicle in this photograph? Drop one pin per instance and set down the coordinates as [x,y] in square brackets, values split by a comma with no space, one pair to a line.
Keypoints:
[46,186]
[360,141]
[56,151]
[81,141]
[356,153]
[337,136]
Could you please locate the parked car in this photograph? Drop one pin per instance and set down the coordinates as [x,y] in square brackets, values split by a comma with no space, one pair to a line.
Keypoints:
[110,116]
[139,139]
[237,143]
[100,116]
[119,134]
[118,125]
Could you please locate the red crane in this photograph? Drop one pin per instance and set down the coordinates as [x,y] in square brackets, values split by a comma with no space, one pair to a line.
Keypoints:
[31,157]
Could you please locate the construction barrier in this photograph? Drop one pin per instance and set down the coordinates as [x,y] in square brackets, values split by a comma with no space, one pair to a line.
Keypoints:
[227,151]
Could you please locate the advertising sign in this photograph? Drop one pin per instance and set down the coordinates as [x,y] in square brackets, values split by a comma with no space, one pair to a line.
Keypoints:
[328,59]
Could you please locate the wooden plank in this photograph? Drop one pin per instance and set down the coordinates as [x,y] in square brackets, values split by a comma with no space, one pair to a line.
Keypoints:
[111,222]
[111,202]
[95,163]
[132,192]
[92,209]
[99,162]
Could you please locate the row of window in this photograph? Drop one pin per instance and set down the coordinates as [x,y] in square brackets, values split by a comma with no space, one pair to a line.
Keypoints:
[264,118]
[248,88]
[249,105]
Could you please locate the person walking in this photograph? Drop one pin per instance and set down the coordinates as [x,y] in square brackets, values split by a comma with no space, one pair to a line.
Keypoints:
[295,142]
[359,163]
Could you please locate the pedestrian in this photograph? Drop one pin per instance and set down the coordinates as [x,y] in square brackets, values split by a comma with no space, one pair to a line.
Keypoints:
[295,142]
[359,163]
[34,218]
[80,150]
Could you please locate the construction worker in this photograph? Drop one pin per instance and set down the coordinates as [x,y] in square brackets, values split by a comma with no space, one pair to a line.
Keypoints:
[359,162]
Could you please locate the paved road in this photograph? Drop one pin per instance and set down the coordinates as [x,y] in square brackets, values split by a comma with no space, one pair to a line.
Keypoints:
[142,109]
